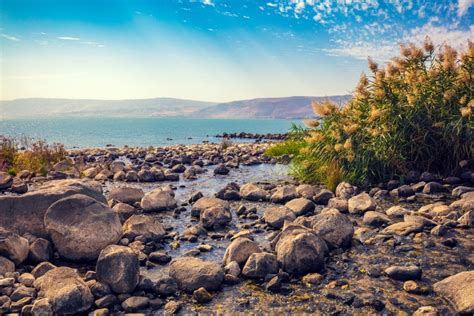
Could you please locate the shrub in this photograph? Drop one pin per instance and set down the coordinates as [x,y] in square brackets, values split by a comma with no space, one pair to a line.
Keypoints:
[37,156]
[413,114]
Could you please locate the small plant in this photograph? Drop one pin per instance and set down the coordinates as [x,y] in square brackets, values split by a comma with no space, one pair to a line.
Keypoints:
[413,114]
[37,156]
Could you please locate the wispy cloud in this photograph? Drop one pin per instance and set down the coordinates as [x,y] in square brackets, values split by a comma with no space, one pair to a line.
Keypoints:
[463,6]
[208,2]
[9,37]
[69,38]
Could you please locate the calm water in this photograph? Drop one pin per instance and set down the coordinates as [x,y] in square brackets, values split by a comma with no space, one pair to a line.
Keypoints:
[98,132]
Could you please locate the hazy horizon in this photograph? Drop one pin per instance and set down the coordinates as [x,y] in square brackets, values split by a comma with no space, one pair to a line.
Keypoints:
[213,50]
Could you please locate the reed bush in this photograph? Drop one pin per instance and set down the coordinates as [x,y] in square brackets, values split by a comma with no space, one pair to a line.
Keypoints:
[414,113]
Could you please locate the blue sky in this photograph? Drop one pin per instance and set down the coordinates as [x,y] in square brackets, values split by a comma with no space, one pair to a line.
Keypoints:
[216,50]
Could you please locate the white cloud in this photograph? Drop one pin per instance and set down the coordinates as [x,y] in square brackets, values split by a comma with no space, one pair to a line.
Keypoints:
[208,2]
[273,5]
[10,37]
[463,6]
[68,38]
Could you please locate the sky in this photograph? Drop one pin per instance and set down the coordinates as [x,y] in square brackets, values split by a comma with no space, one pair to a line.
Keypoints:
[213,50]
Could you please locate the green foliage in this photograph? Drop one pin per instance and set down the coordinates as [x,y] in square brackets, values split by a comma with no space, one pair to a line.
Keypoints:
[413,114]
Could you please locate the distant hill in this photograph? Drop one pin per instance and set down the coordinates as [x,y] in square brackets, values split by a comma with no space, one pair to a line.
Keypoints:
[277,108]
[287,107]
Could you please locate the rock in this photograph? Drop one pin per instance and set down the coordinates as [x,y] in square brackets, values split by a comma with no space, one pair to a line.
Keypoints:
[231,192]
[404,273]
[361,203]
[415,288]
[403,228]
[397,211]
[81,227]
[252,192]
[158,200]
[145,175]
[6,266]
[166,286]
[160,257]
[433,187]
[124,211]
[284,194]
[334,228]
[179,168]
[22,292]
[402,191]
[90,172]
[460,190]
[117,166]
[240,250]
[19,186]
[119,176]
[260,264]
[323,197]
[193,273]
[135,303]
[202,296]
[312,278]
[232,268]
[277,215]
[118,267]
[307,191]
[421,220]
[274,285]
[207,202]
[467,219]
[26,279]
[426,311]
[171,176]
[6,180]
[216,216]
[299,250]
[376,219]
[42,307]
[25,213]
[143,225]
[65,290]
[221,170]
[345,190]
[42,268]
[339,204]
[131,176]
[459,290]
[13,247]
[172,307]
[40,250]
[128,195]
[300,206]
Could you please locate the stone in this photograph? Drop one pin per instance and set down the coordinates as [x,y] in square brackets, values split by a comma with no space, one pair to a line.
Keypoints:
[166,286]
[124,211]
[323,197]
[216,216]
[118,267]
[403,191]
[397,211]
[40,250]
[334,228]
[6,266]
[119,176]
[13,246]
[361,203]
[25,213]
[404,273]
[172,307]
[307,191]
[143,225]
[27,279]
[403,228]
[22,292]
[145,175]
[312,278]
[260,264]
[231,192]
[42,268]
[128,195]
[19,186]
[160,257]
[339,204]
[6,180]
[467,219]
[284,194]
[375,219]
[300,206]
[90,172]
[299,250]
[108,300]
[207,202]
[277,215]
[460,190]
[65,291]
[135,303]
[345,190]
[433,187]
[251,192]
[240,250]
[131,176]
[80,227]
[221,169]
[202,296]
[413,287]
[158,200]
[426,311]
[232,268]
[459,290]
[42,307]
[192,273]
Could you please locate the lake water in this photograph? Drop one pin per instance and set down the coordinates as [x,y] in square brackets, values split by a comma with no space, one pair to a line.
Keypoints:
[98,132]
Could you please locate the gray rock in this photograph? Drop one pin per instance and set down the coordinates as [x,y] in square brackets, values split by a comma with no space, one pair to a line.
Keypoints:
[459,290]
[65,290]
[6,265]
[42,268]
[334,228]
[323,197]
[40,250]
[216,216]
[193,273]
[13,246]
[42,307]
[118,267]
[6,180]
[145,175]
[124,211]
[361,203]
[284,194]
[166,286]
[345,190]
[207,202]
[404,273]
[403,228]
[80,227]
[221,170]
[143,225]
[307,191]
[128,195]
[135,303]
[252,192]
[240,250]
[459,191]
[397,211]
[433,187]
[158,200]
[300,206]
[260,264]
[202,296]
[376,219]
[339,204]
[277,215]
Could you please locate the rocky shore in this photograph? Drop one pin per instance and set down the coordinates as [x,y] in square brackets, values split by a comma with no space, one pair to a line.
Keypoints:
[258,137]
[219,229]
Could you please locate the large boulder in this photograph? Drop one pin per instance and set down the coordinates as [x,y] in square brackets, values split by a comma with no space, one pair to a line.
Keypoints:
[300,206]
[142,225]
[260,264]
[207,202]
[80,227]
[284,194]
[13,246]
[119,268]
[25,213]
[459,290]
[361,203]
[193,273]
[128,195]
[158,200]
[65,290]
[240,250]
[252,192]
[299,250]
[277,215]
[334,228]
[216,216]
